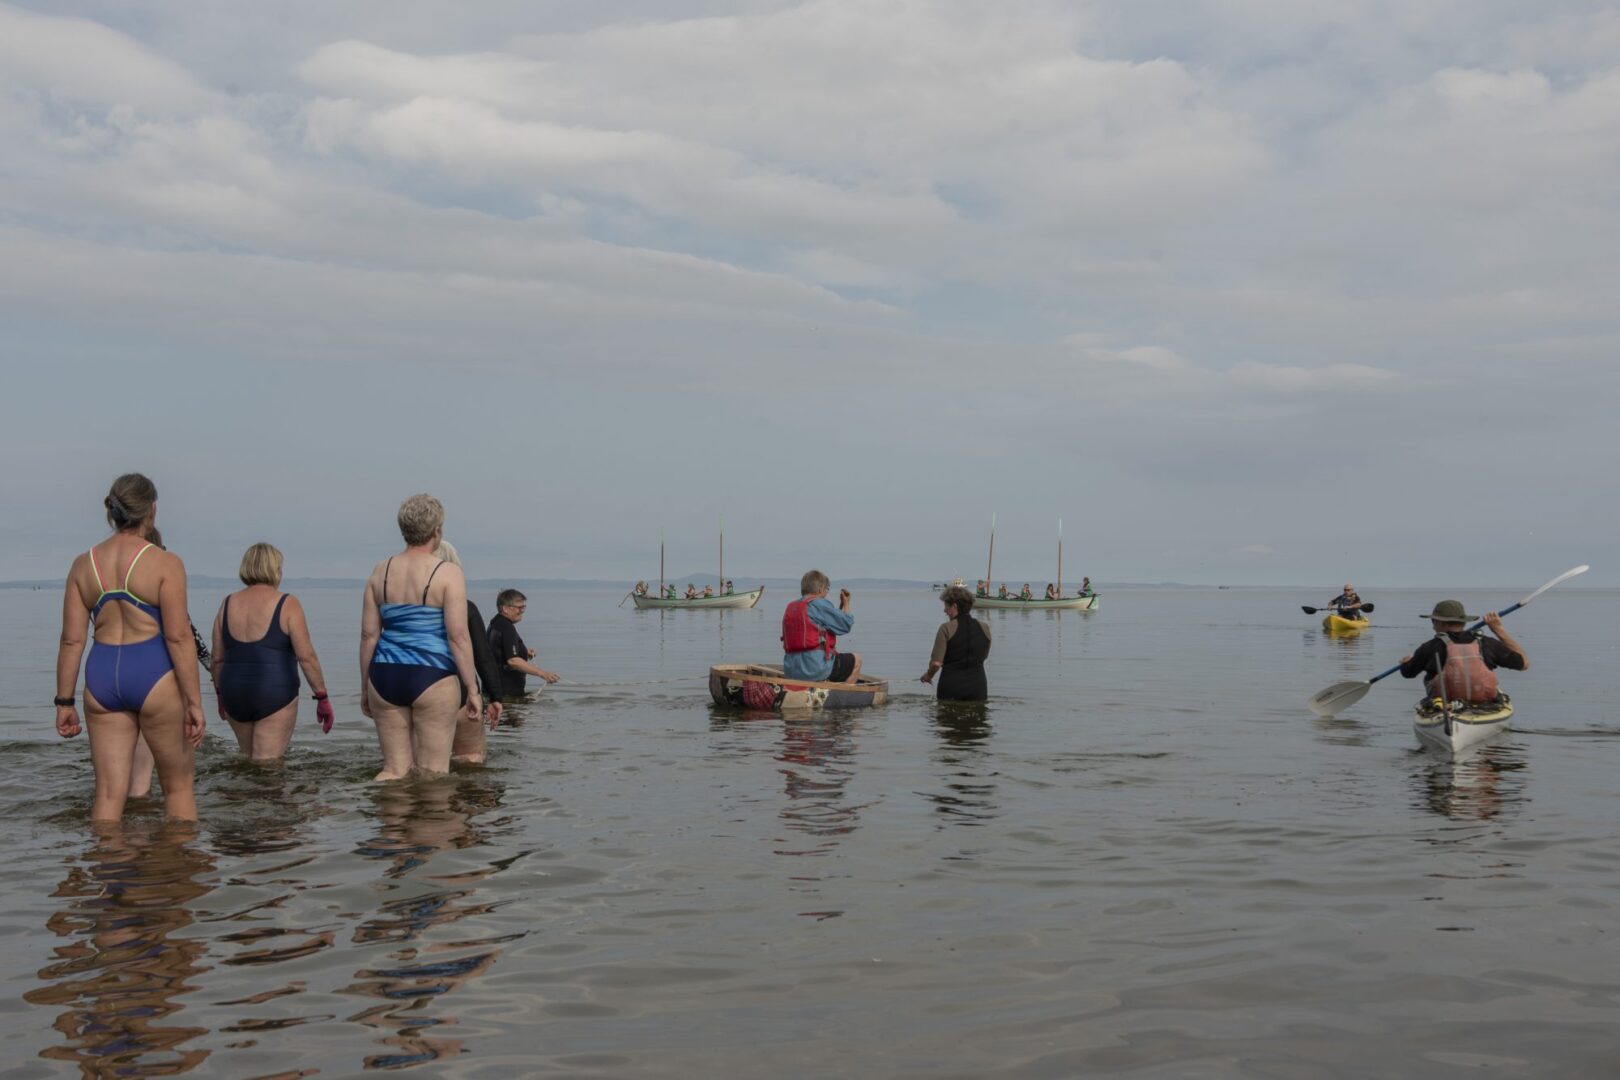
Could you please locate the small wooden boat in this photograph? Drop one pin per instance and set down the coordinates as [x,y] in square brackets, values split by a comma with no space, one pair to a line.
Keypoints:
[1453,729]
[763,686]
[731,600]
[1013,603]
[1338,624]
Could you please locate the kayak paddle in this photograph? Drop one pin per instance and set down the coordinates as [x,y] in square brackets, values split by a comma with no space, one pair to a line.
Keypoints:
[1341,696]
[1314,610]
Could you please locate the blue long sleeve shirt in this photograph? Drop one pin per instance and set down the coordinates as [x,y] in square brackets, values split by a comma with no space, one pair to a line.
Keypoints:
[816,665]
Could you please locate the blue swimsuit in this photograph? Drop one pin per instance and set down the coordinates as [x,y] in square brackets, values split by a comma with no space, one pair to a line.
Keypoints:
[120,677]
[414,650]
[259,677]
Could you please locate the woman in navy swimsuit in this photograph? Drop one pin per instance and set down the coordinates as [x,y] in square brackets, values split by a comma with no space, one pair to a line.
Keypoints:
[141,677]
[260,642]
[416,660]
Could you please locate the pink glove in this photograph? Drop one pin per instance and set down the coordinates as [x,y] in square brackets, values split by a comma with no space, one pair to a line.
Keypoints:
[323,713]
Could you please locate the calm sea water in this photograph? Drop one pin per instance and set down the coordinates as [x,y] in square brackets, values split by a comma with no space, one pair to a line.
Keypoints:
[1144,857]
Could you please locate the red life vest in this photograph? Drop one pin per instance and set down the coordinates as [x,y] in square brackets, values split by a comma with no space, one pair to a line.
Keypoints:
[799,634]
[1465,676]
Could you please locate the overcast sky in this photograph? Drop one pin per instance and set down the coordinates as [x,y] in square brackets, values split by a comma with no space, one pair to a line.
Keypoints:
[1247,291]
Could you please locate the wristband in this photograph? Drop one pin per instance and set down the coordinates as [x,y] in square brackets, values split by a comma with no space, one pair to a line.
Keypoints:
[319,695]
[64,702]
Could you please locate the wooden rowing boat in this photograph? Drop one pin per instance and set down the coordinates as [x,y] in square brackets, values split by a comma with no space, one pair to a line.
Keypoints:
[763,686]
[1455,729]
[1013,603]
[734,600]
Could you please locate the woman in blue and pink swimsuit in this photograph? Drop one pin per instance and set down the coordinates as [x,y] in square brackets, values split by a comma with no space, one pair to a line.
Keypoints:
[141,677]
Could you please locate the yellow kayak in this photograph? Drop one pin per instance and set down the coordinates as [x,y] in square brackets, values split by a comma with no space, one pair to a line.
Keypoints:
[1338,624]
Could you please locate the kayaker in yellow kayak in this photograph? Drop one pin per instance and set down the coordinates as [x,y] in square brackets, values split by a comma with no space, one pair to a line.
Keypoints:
[1347,605]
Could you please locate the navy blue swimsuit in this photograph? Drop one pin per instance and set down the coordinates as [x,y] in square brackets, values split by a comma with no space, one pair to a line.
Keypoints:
[259,677]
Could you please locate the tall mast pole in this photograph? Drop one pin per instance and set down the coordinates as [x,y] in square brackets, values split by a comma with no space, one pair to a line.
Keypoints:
[660,563]
[991,561]
[721,587]
[1060,558]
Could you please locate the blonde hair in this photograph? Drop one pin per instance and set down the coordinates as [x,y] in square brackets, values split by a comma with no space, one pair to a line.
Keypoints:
[420,516]
[813,581]
[447,551]
[129,501]
[261,565]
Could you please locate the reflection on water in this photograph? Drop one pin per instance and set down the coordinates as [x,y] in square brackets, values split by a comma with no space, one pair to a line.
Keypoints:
[1478,786]
[816,754]
[415,822]
[122,967]
[963,728]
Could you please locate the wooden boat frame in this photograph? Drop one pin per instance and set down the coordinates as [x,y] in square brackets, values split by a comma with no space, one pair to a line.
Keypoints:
[1454,730]
[734,600]
[764,687]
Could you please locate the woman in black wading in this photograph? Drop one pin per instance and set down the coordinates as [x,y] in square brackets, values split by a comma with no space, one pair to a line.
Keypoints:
[960,649]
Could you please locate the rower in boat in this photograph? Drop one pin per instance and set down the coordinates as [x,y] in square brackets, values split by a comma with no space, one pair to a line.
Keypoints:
[708,590]
[1003,594]
[1026,593]
[1051,591]
[691,591]
[1457,665]
[730,590]
[669,591]
[1347,605]
[1085,587]
[640,589]
[983,589]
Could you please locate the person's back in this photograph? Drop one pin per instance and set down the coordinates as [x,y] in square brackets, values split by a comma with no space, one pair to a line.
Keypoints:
[258,672]
[1458,664]
[810,629]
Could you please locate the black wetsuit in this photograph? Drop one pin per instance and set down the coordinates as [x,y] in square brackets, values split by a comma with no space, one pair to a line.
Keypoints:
[484,662]
[961,676]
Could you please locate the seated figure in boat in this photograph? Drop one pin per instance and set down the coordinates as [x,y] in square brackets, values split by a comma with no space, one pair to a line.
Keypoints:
[810,628]
[641,588]
[708,590]
[669,591]
[1085,587]
[1347,604]
[731,590]
[1025,593]
[1051,591]
[1002,593]
[1458,664]
[691,591]
[982,589]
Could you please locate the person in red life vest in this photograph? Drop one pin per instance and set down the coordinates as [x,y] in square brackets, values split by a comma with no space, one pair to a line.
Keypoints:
[810,629]
[1460,665]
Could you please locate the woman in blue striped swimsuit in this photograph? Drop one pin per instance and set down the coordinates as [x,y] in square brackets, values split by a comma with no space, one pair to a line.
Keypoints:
[141,677]
[416,663]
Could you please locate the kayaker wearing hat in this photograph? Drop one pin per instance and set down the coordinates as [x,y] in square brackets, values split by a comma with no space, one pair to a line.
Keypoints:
[1462,662]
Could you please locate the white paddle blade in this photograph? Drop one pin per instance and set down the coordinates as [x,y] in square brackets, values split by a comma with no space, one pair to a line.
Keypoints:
[1559,580]
[1338,697]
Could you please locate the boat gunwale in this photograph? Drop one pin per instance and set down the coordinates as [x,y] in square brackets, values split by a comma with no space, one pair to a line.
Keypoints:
[864,684]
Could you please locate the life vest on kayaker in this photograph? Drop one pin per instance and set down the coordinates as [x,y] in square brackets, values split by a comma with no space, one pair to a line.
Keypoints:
[1465,676]
[799,634]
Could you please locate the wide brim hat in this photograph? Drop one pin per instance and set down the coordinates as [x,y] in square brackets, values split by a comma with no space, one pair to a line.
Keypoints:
[1450,611]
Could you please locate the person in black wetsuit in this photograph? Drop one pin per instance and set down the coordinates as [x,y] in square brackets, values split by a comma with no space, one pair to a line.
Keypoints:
[469,745]
[960,649]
